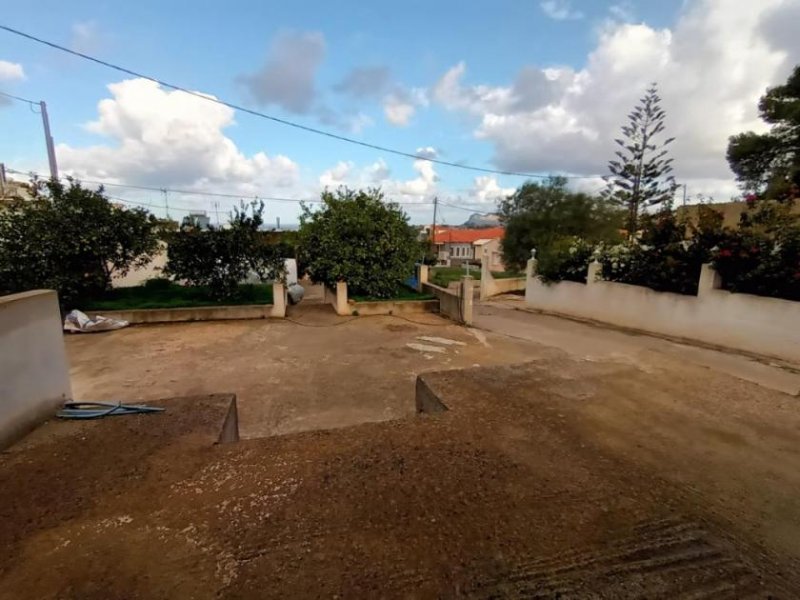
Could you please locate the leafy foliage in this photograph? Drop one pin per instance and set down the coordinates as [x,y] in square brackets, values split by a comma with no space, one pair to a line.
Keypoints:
[358,238]
[538,215]
[71,239]
[763,255]
[640,175]
[769,163]
[668,255]
[568,260]
[221,258]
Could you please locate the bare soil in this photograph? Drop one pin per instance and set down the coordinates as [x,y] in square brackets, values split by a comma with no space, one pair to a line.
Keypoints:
[564,477]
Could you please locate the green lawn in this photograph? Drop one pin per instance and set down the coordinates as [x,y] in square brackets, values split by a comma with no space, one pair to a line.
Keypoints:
[173,295]
[403,293]
[444,276]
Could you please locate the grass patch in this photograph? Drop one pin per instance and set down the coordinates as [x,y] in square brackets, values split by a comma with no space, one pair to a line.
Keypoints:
[444,276]
[402,293]
[507,274]
[172,295]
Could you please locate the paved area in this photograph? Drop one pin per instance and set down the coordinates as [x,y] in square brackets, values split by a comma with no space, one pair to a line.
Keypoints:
[507,315]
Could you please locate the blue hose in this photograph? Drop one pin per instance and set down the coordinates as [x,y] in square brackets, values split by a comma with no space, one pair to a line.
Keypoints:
[97,410]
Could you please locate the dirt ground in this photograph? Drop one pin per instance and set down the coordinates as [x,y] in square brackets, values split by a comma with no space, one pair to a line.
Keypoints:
[586,464]
[328,372]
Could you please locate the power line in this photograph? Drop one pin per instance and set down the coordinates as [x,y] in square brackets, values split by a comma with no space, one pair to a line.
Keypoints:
[13,97]
[286,122]
[164,190]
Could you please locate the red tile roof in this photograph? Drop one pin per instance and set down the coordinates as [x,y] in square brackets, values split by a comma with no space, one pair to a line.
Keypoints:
[452,235]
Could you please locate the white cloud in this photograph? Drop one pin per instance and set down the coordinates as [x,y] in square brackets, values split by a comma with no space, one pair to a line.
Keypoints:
[427,152]
[560,10]
[10,71]
[398,112]
[486,190]
[169,138]
[288,75]
[622,11]
[336,175]
[711,67]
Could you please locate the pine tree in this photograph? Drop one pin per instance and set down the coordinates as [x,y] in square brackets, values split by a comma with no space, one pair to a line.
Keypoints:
[641,177]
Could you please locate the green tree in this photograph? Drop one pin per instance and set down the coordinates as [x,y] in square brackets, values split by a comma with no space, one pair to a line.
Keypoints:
[541,215]
[221,258]
[71,239]
[641,173]
[769,163]
[358,238]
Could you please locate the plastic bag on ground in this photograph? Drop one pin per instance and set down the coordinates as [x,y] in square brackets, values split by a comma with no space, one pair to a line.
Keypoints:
[78,322]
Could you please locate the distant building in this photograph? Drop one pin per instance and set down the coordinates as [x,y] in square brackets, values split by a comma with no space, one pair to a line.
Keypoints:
[196,220]
[11,190]
[456,246]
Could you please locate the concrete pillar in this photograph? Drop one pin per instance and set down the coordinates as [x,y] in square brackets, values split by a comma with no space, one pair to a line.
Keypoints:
[709,280]
[594,273]
[531,268]
[342,307]
[422,276]
[278,300]
[467,284]
[486,275]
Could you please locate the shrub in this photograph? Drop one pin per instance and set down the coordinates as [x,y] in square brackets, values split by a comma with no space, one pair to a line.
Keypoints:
[762,256]
[668,255]
[358,238]
[566,260]
[220,258]
[71,239]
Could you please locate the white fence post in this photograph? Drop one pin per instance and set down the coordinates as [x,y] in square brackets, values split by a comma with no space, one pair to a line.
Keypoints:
[278,300]
[422,276]
[467,299]
[341,298]
[709,280]
[594,272]
[486,288]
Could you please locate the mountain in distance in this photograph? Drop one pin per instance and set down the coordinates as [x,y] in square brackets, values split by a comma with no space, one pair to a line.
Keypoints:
[482,221]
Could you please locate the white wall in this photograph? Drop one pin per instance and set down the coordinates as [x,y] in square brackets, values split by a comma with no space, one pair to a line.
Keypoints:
[34,375]
[766,326]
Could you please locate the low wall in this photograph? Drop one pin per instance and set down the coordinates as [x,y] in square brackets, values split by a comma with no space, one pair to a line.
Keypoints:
[34,374]
[766,326]
[398,307]
[494,287]
[180,315]
[451,304]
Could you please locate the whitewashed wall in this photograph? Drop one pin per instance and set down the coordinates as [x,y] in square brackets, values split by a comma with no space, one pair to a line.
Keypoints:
[34,375]
[767,326]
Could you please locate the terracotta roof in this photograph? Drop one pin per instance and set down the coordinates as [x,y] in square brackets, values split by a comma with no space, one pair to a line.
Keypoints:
[452,235]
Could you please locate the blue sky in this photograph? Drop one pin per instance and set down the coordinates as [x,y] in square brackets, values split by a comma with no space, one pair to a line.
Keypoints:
[533,86]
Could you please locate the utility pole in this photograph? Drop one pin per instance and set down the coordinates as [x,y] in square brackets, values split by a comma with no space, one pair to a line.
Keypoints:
[216,210]
[684,194]
[48,139]
[166,202]
[433,229]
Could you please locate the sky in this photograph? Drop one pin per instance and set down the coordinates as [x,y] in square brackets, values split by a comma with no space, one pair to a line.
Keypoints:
[532,86]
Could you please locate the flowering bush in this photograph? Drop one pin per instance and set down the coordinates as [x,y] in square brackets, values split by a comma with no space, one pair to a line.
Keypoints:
[667,255]
[762,256]
[567,259]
